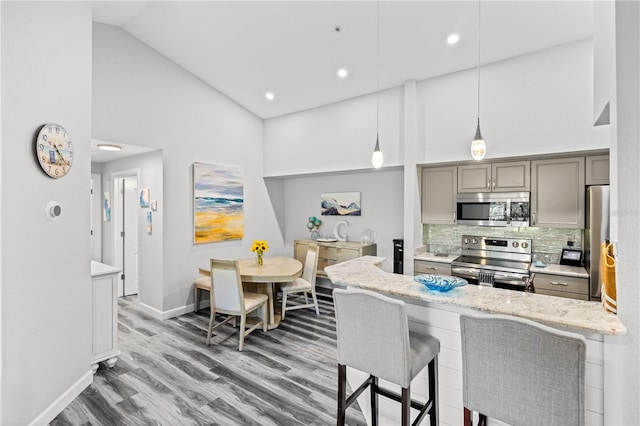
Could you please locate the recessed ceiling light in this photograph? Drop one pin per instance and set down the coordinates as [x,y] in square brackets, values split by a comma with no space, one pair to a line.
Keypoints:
[109,147]
[270,96]
[343,73]
[453,39]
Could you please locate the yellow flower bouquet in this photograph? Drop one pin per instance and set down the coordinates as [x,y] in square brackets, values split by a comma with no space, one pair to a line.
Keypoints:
[259,247]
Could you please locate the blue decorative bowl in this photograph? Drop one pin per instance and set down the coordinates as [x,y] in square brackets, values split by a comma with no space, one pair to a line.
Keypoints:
[441,283]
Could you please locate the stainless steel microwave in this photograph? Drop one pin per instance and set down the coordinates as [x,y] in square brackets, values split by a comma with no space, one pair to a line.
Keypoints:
[493,209]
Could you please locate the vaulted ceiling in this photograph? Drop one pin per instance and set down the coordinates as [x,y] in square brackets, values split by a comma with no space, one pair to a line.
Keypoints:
[293,48]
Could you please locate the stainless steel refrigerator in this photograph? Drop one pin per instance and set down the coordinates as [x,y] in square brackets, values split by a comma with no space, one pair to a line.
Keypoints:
[596,231]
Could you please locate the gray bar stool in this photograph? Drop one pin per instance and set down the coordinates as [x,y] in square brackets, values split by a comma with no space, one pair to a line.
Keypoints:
[522,372]
[374,337]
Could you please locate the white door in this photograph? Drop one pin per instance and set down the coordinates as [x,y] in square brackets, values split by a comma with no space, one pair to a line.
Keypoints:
[124,215]
[130,237]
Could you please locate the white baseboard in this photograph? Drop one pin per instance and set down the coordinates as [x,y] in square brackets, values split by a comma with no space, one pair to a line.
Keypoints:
[63,400]
[164,315]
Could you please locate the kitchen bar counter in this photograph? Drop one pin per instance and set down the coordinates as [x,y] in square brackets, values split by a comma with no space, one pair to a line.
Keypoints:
[439,315]
[559,312]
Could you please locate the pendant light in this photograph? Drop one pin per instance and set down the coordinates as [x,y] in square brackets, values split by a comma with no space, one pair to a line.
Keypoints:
[478,147]
[376,158]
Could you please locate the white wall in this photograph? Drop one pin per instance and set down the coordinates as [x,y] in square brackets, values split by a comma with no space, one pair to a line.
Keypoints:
[625,205]
[532,104]
[382,206]
[46,278]
[149,169]
[141,97]
[335,137]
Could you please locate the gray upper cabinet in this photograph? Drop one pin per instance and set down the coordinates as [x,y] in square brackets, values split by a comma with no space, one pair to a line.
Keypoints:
[474,178]
[510,176]
[557,193]
[597,170]
[513,176]
[439,195]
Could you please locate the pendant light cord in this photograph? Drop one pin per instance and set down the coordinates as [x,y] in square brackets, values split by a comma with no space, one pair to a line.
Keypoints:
[478,62]
[378,68]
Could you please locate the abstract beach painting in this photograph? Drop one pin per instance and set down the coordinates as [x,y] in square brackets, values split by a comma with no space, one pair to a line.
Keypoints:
[340,204]
[218,203]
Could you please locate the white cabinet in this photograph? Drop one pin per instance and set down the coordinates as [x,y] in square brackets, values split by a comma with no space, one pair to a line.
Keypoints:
[511,176]
[104,285]
[597,170]
[557,193]
[439,186]
[430,267]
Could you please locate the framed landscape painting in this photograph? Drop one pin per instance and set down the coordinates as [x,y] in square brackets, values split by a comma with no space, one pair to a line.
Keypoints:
[340,204]
[218,203]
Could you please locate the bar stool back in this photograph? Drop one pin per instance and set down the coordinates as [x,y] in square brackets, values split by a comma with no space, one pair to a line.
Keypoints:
[374,337]
[522,372]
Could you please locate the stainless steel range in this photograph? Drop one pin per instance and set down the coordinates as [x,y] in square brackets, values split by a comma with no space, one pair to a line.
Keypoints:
[496,262]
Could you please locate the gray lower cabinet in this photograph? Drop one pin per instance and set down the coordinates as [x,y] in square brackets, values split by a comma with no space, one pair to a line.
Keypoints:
[439,186]
[332,253]
[430,267]
[562,286]
[557,193]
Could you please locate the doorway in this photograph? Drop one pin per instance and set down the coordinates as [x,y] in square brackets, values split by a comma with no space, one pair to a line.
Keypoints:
[125,226]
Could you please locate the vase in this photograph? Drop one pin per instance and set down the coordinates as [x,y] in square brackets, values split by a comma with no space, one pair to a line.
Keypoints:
[259,259]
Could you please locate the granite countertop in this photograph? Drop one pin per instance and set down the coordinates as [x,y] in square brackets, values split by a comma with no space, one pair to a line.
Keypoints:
[570,271]
[432,257]
[555,311]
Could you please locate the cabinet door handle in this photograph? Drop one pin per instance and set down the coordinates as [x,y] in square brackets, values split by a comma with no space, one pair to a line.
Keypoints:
[533,218]
[559,283]
[454,217]
[488,184]
[494,184]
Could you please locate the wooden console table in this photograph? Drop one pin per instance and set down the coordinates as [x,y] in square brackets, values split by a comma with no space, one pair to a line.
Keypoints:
[332,253]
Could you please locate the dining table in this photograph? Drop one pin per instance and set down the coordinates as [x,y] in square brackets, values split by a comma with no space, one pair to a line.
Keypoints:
[263,279]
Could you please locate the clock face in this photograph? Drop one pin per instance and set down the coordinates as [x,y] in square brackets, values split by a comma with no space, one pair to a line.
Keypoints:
[54,150]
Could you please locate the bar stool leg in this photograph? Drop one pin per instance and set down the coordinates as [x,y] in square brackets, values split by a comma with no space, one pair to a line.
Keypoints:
[406,406]
[433,392]
[374,400]
[342,394]
[468,417]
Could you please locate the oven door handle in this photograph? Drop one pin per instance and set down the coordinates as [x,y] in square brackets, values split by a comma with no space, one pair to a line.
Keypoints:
[509,279]
[465,272]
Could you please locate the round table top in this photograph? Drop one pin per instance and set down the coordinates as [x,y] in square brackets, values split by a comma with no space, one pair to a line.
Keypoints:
[274,269]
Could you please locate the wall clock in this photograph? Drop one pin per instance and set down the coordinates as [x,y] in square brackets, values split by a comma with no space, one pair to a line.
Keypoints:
[54,150]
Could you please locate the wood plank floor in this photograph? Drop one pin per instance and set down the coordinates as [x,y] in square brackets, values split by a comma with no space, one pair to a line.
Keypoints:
[166,375]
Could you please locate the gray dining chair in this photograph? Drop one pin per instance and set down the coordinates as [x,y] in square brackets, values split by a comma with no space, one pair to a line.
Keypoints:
[521,372]
[374,337]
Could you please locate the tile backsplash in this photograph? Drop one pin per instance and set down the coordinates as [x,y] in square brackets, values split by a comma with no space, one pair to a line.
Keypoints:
[547,243]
